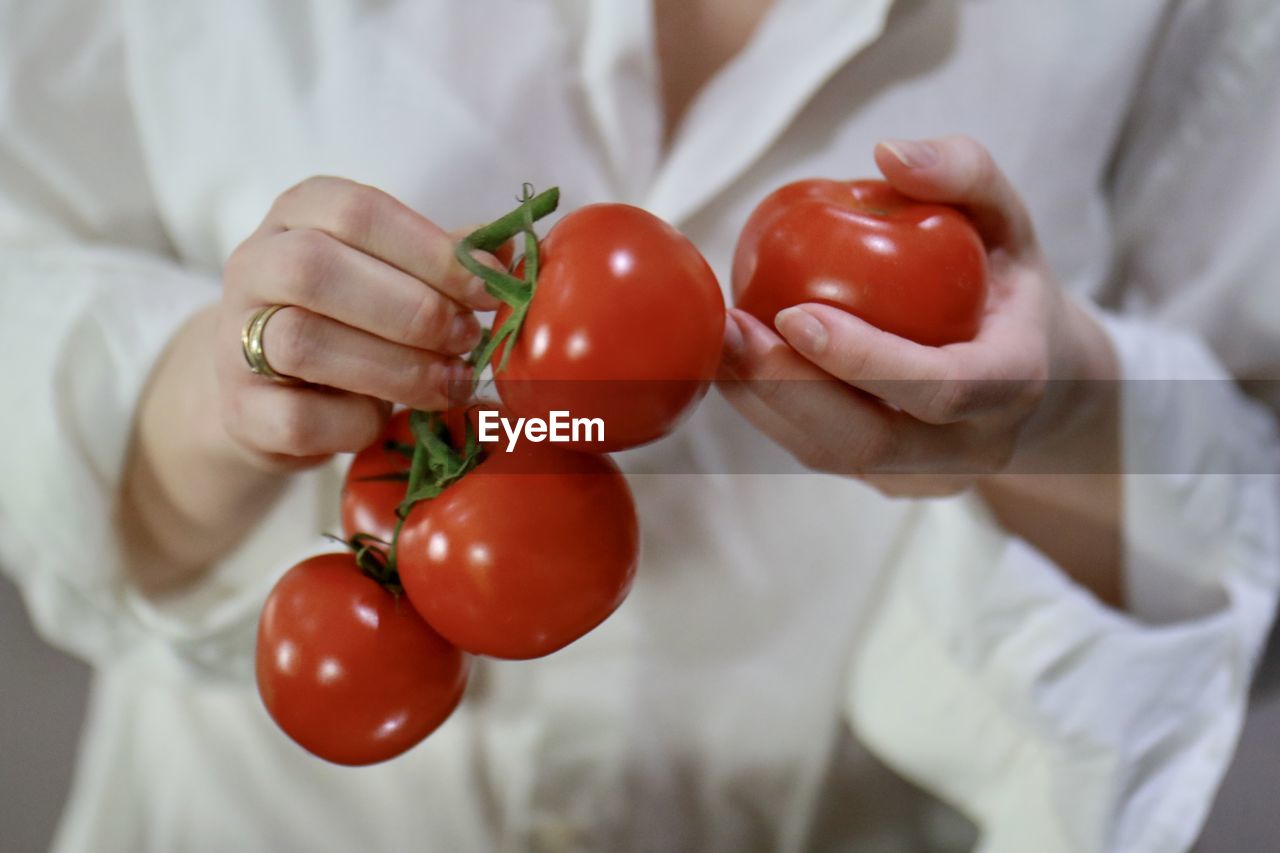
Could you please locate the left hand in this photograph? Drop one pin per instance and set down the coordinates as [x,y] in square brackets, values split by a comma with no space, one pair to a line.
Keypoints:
[1012,399]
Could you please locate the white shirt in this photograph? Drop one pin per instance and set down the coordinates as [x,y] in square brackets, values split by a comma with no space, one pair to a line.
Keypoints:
[784,626]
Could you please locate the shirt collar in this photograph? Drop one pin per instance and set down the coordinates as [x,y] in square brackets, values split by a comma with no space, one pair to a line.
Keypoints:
[742,110]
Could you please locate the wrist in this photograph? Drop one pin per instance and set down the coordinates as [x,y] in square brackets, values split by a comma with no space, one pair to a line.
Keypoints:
[1076,429]
[189,492]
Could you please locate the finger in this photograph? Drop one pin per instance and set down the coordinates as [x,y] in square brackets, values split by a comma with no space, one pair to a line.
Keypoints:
[937,385]
[749,345]
[958,170]
[322,351]
[920,485]
[499,260]
[854,351]
[311,269]
[303,423]
[826,425]
[377,224]
[832,427]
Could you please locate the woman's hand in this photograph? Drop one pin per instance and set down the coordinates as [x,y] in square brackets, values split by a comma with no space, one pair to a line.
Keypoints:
[1029,400]
[377,311]
[957,413]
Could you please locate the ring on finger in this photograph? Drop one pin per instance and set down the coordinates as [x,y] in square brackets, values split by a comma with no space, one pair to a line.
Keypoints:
[251,346]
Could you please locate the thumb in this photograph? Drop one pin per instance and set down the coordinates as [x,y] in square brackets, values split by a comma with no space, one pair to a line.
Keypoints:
[960,171]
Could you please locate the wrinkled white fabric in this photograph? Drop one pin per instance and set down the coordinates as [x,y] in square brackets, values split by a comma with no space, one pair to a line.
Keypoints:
[785,627]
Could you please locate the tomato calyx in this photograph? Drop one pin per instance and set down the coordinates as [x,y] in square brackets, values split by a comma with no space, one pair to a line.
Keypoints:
[516,293]
[370,554]
[436,465]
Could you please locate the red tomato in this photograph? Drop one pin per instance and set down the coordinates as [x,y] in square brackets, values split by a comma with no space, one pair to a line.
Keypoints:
[378,478]
[523,555]
[917,270]
[626,325]
[369,497]
[349,671]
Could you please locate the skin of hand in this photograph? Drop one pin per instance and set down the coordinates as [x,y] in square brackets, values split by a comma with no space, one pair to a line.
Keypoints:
[1025,413]
[378,309]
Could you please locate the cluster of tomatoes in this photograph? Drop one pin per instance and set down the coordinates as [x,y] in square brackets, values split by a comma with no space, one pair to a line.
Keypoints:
[507,550]
[513,551]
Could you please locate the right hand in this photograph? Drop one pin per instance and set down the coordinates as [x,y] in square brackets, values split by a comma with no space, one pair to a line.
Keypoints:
[378,311]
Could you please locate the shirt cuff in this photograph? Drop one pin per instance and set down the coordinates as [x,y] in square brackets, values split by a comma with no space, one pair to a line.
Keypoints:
[1053,721]
[85,327]
[1201,491]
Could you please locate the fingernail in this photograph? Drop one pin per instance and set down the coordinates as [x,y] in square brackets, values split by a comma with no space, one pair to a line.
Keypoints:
[478,297]
[457,382]
[802,330]
[913,155]
[735,345]
[464,333]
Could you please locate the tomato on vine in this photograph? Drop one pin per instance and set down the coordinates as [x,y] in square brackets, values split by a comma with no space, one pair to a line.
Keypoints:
[524,552]
[376,482]
[347,668]
[613,315]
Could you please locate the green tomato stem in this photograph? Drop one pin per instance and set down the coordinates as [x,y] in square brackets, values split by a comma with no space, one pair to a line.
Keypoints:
[517,294]
[436,466]
[491,237]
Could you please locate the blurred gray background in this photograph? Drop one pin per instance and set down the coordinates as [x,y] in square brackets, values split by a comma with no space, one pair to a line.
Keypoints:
[42,696]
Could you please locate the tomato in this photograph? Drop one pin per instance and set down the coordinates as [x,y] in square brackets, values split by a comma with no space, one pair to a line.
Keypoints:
[626,325]
[917,270]
[524,554]
[348,670]
[376,481]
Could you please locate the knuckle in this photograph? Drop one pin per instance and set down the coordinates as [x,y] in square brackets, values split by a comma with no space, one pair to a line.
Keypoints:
[297,194]
[294,341]
[421,382]
[239,265]
[353,212]
[303,186]
[778,394]
[1028,381]
[303,263]
[981,167]
[428,322]
[855,362]
[294,429]
[231,409]
[244,430]
[366,425]
[950,401]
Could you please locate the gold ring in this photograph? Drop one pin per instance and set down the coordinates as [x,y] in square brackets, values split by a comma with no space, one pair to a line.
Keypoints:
[251,345]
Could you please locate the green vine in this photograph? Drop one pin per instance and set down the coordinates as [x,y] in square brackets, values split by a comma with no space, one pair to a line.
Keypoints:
[516,293]
[435,464]
[435,467]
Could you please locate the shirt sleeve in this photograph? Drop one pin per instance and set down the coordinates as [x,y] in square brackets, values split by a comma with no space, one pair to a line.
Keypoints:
[987,675]
[90,294]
